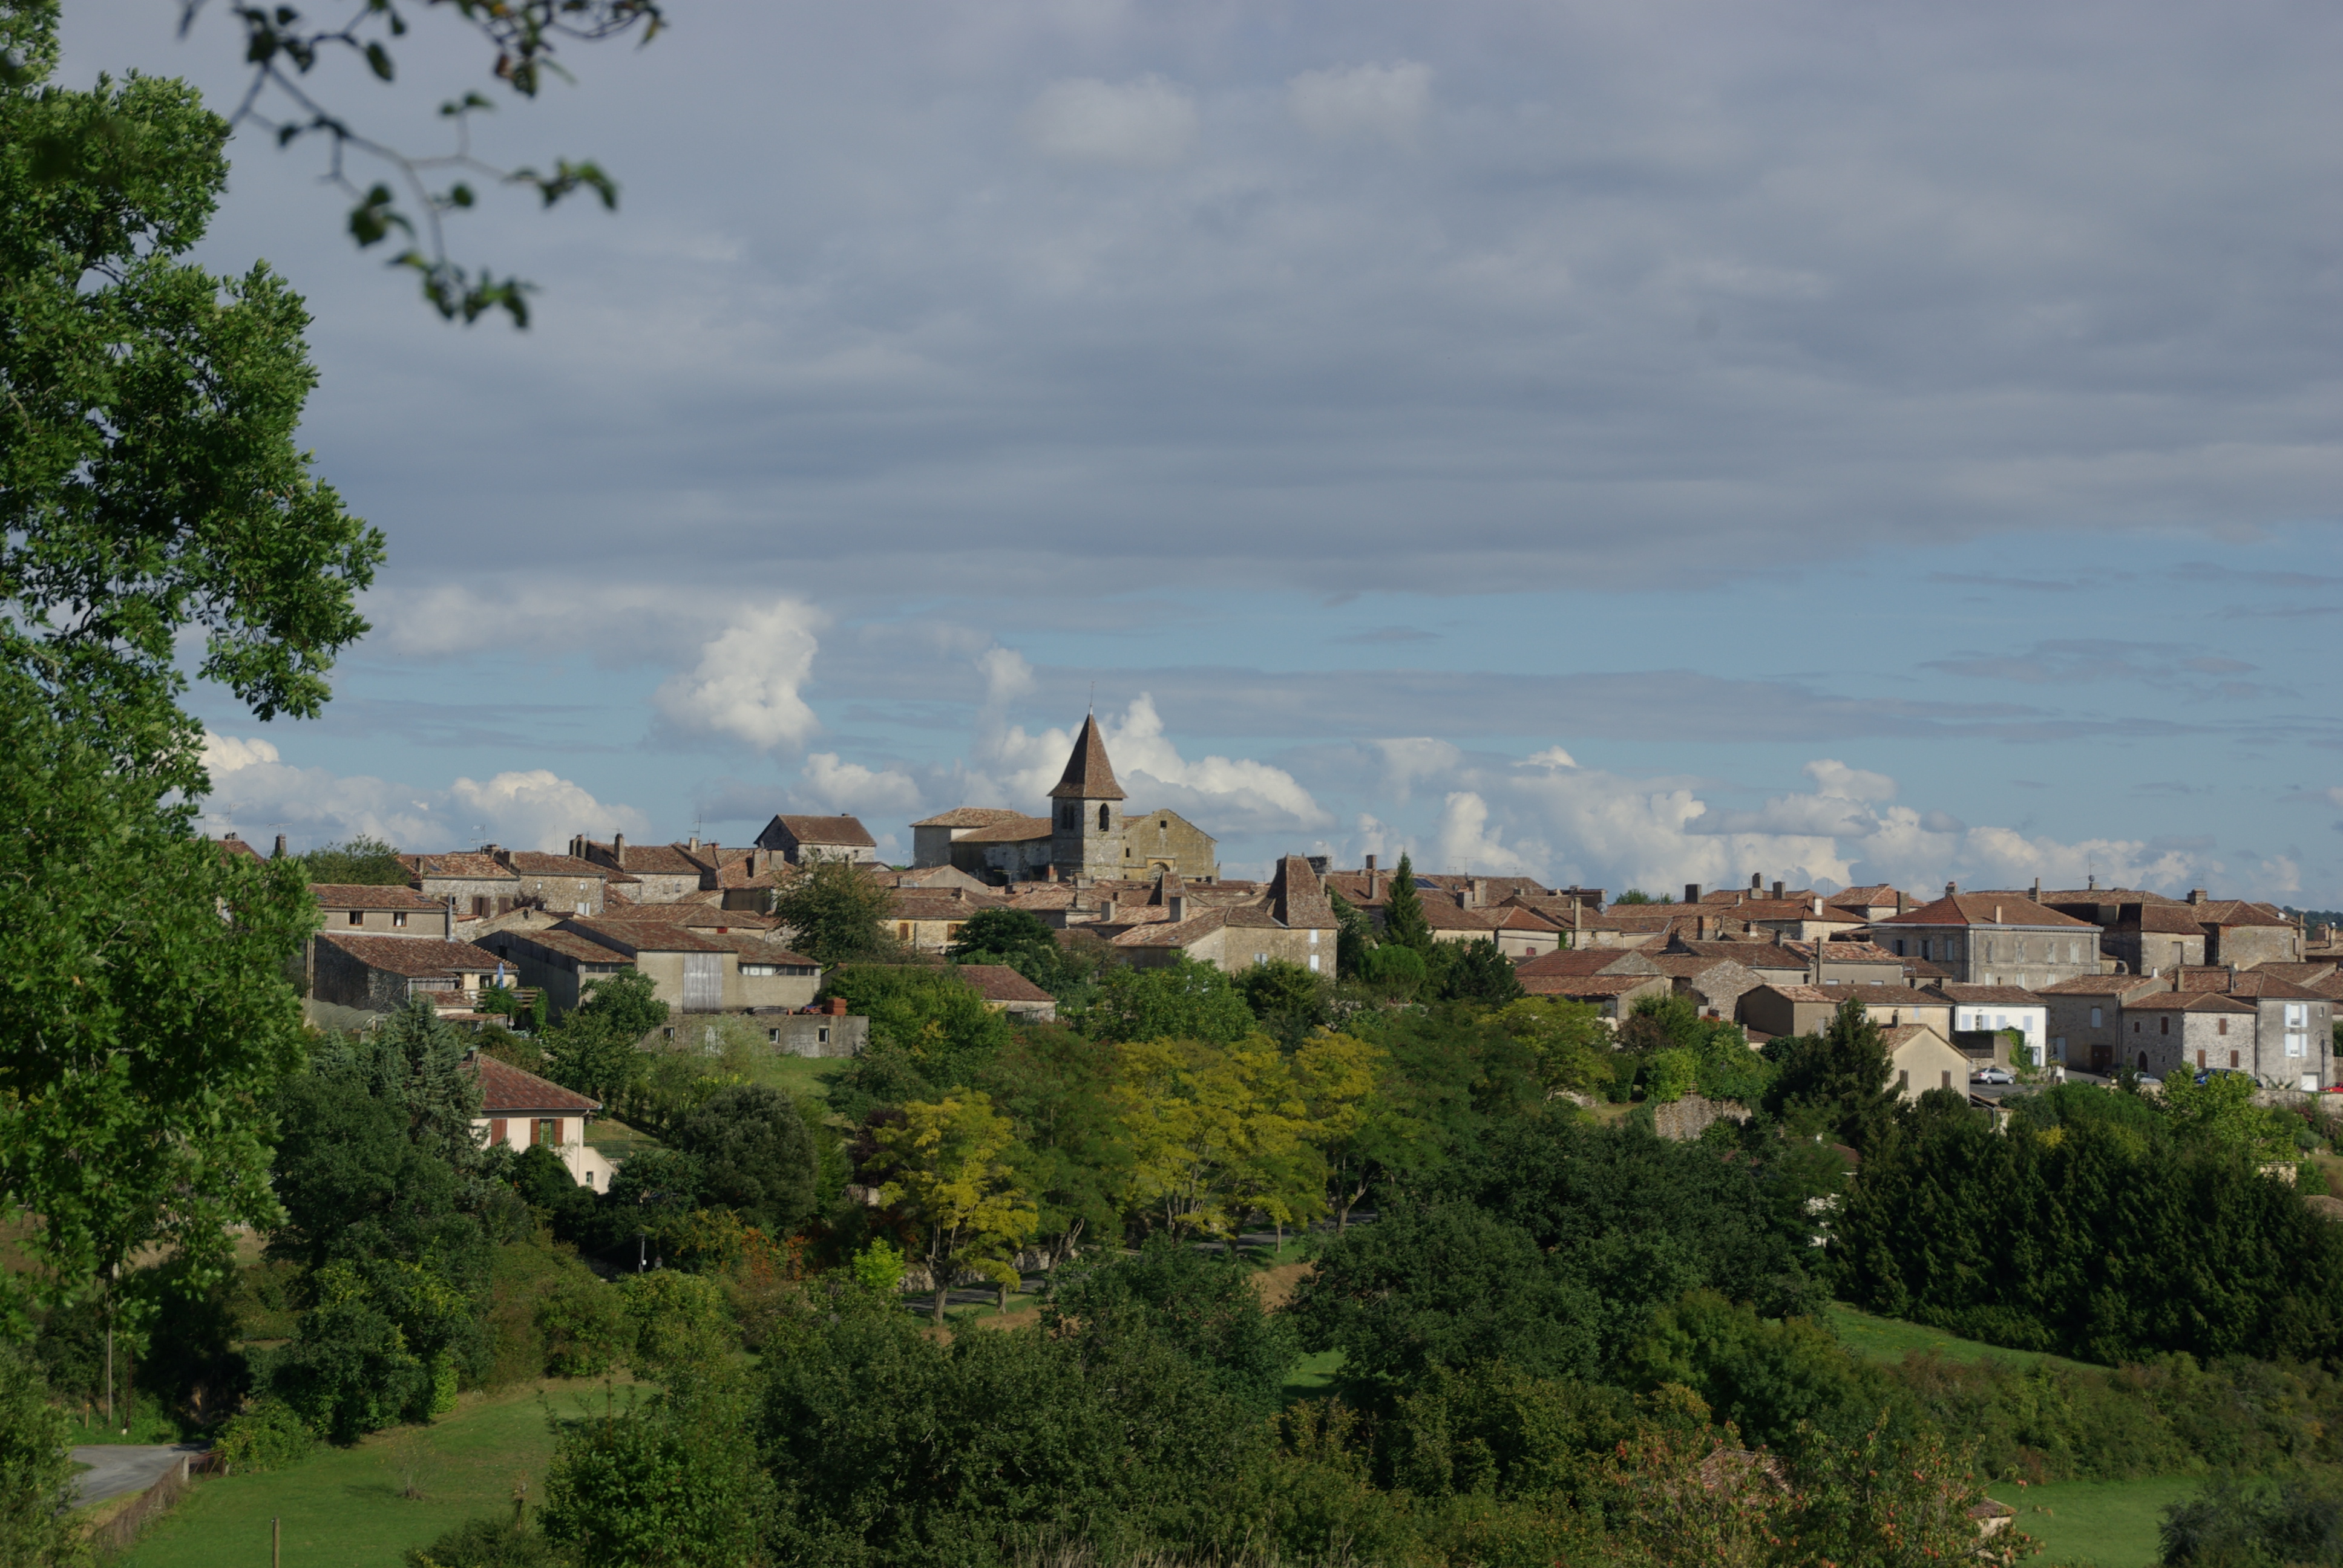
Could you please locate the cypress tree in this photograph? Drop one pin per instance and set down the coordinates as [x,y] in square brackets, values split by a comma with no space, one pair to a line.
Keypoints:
[1403,920]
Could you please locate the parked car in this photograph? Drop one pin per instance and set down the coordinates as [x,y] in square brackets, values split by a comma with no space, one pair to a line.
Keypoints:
[1993,1075]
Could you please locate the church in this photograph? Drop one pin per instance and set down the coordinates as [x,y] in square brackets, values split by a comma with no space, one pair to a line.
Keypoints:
[1086,837]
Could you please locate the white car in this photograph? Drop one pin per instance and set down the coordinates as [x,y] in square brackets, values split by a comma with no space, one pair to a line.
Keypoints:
[1993,1075]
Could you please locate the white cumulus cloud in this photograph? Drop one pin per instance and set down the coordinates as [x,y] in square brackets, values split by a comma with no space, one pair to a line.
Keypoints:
[1258,795]
[1149,123]
[1385,102]
[851,789]
[746,685]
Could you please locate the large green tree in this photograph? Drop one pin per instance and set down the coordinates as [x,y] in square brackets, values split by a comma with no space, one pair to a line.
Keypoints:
[756,1155]
[833,910]
[153,507]
[1403,922]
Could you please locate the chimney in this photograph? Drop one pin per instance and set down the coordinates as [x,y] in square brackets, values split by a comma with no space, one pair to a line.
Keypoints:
[1476,893]
[1176,908]
[1757,885]
[1818,906]
[280,847]
[1777,890]
[2233,975]
[1899,901]
[619,851]
[1692,893]
[693,843]
[1106,911]
[2196,895]
[2037,889]
[1951,888]
[1577,915]
[1374,881]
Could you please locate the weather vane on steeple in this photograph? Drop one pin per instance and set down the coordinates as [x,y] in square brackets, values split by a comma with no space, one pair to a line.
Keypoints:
[1092,709]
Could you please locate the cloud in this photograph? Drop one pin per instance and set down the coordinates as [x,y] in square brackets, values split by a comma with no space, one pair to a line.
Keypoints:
[1466,842]
[849,787]
[2078,660]
[1385,103]
[1251,793]
[1407,759]
[746,685]
[1148,122]
[257,793]
[1552,757]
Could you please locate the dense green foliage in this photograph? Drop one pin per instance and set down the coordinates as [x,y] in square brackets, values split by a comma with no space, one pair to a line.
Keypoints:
[362,861]
[35,1474]
[835,913]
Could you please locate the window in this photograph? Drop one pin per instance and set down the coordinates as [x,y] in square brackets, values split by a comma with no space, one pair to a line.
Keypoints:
[902,930]
[2221,1026]
[1105,819]
[2164,1024]
[2233,1061]
[1904,1082]
[2143,1062]
[2298,1015]
[754,969]
[821,1035]
[1899,947]
[397,918]
[2095,1017]
[1948,1079]
[772,1037]
[2200,1061]
[549,1130]
[358,917]
[2298,1044]
[1261,958]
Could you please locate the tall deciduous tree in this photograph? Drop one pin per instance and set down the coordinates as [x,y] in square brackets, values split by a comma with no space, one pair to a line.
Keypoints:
[951,1165]
[833,912]
[150,490]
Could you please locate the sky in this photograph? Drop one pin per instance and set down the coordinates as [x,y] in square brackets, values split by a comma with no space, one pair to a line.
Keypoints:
[1617,444]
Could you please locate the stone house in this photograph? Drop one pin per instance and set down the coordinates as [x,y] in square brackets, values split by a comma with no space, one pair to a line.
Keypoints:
[2168,1032]
[1581,963]
[2243,933]
[927,919]
[1876,901]
[664,872]
[1006,991]
[989,843]
[2293,1023]
[1229,939]
[381,973]
[1777,1010]
[1524,933]
[1162,839]
[2085,1016]
[520,1110]
[1994,939]
[477,881]
[1612,996]
[562,884]
[1923,1059]
[695,971]
[2000,1007]
[821,1033]
[2156,937]
[1772,964]
[1715,985]
[381,911]
[559,962]
[1849,962]
[798,839]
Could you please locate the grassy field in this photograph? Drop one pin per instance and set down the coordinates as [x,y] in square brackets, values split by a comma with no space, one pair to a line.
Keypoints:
[800,1075]
[345,1507]
[1892,1339]
[2106,1523]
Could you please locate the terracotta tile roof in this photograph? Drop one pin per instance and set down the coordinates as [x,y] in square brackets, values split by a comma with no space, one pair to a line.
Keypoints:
[1568,962]
[233,847]
[1298,899]
[1749,955]
[530,863]
[654,860]
[1986,995]
[1923,969]
[2060,897]
[1902,1035]
[1837,992]
[1045,896]
[698,916]
[1515,917]
[1088,776]
[2244,983]
[1588,988]
[417,958]
[2102,985]
[2240,912]
[972,817]
[1983,909]
[999,982]
[467,865]
[846,831]
[1788,909]
[506,1090]
[1690,965]
[1164,933]
[1875,893]
[1018,831]
[754,947]
[2299,974]
[2188,1001]
[1836,951]
[647,936]
[1443,917]
[575,945]
[942,904]
[349,896]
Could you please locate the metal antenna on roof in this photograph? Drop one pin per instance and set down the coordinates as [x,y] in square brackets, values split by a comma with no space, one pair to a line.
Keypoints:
[1092,710]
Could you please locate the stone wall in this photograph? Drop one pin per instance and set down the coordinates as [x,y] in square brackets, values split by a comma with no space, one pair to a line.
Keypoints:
[1681,1120]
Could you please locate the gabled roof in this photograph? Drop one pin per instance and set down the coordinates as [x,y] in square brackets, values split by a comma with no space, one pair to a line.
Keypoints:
[1088,776]
[231,846]
[575,945]
[506,1090]
[464,865]
[1588,988]
[1748,955]
[697,916]
[2240,912]
[1985,910]
[2102,985]
[2187,1002]
[360,896]
[1987,995]
[1837,991]
[999,982]
[1298,899]
[416,958]
[846,830]
[1843,953]
[632,936]
[941,903]
[1170,934]
[1564,963]
[972,817]
[1783,910]
[2242,982]
[1512,917]
[1011,830]
[530,863]
[652,859]
[1901,1035]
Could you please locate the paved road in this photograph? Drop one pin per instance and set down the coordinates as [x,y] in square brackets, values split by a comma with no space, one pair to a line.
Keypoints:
[115,1468]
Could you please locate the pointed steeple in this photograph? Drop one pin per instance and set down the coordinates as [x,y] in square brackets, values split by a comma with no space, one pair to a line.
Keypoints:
[1088,776]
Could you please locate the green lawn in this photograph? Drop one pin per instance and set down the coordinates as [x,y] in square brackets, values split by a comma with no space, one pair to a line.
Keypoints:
[800,1075]
[2107,1523]
[344,1507]
[1892,1339]
[1313,1376]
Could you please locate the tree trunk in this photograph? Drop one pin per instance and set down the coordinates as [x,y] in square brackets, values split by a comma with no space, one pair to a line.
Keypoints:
[1004,1294]
[941,1292]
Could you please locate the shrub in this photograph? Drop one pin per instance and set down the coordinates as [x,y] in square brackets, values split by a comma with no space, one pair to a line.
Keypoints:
[583,1327]
[268,1436]
[485,1543]
[674,1322]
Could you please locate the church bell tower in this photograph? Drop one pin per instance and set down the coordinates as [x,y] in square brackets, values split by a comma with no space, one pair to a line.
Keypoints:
[1086,812]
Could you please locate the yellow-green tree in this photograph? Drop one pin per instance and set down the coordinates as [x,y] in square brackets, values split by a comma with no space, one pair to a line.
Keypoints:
[948,1165]
[1360,1117]
[1217,1133]
[1572,1043]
